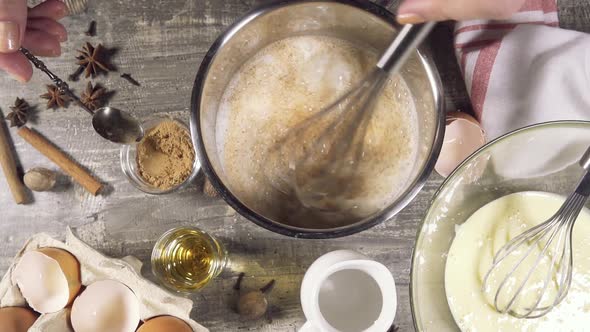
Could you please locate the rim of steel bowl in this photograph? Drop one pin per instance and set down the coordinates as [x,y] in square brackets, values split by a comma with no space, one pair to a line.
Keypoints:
[451,178]
[404,199]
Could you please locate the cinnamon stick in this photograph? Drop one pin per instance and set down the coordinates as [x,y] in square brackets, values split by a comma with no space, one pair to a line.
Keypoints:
[70,167]
[9,167]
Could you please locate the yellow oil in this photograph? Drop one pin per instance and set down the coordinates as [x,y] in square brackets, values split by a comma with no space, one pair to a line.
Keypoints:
[186,259]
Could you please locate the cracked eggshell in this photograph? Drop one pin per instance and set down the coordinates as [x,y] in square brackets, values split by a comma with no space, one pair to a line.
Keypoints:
[48,278]
[105,305]
[165,323]
[463,136]
[17,319]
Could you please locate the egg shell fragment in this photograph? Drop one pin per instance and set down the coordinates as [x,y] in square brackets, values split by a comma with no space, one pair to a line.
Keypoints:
[48,278]
[463,136]
[17,319]
[165,323]
[70,266]
[105,305]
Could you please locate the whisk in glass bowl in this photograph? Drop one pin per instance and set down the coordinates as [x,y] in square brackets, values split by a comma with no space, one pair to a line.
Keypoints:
[324,153]
[532,273]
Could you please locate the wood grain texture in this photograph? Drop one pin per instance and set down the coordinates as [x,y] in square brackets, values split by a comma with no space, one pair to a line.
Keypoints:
[161,43]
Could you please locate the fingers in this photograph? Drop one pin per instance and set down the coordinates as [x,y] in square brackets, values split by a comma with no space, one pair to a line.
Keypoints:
[44,33]
[418,11]
[50,26]
[16,65]
[41,34]
[53,9]
[42,43]
[13,19]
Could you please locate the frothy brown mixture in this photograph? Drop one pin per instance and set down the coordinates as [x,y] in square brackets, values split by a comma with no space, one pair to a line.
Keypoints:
[284,84]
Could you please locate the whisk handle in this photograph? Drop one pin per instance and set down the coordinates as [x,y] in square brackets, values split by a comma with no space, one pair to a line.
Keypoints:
[585,161]
[584,185]
[409,37]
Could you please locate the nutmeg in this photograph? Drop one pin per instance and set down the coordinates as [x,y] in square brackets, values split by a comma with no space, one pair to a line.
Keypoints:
[40,179]
[253,305]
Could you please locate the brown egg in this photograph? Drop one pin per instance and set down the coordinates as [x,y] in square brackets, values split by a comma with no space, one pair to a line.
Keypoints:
[165,324]
[48,278]
[16,319]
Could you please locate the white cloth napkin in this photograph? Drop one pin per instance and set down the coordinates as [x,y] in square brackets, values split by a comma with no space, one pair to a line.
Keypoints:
[540,74]
[526,70]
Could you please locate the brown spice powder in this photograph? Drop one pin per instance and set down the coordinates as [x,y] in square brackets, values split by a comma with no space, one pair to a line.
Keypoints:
[166,155]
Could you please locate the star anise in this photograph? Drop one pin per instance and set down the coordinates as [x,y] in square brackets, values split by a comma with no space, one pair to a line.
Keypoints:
[55,97]
[92,96]
[93,60]
[19,115]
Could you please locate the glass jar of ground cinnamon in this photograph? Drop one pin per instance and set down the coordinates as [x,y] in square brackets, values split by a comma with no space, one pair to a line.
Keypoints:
[164,160]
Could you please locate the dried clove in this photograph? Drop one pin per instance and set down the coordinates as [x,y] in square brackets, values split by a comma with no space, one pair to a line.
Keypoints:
[238,284]
[75,76]
[91,32]
[268,287]
[130,79]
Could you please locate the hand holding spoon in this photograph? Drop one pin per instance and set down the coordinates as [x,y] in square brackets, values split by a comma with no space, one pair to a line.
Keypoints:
[113,124]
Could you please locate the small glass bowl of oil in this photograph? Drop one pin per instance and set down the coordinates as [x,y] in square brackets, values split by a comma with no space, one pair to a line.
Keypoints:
[185,259]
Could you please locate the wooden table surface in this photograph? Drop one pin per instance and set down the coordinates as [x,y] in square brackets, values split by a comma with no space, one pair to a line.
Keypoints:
[161,43]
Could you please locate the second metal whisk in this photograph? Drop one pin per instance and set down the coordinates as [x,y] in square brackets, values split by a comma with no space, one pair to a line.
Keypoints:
[323,152]
[532,273]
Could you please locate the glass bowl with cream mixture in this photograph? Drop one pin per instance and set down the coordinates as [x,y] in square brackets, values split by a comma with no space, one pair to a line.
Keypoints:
[512,183]
[281,64]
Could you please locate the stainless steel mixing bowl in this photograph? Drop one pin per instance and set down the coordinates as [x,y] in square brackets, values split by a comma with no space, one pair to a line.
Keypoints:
[542,157]
[357,21]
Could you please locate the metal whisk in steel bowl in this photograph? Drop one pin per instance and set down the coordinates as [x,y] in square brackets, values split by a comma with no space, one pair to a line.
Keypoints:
[322,153]
[532,273]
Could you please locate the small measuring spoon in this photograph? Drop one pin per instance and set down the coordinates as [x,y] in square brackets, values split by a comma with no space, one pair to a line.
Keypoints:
[113,124]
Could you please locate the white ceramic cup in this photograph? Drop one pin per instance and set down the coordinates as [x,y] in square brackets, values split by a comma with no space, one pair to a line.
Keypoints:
[345,291]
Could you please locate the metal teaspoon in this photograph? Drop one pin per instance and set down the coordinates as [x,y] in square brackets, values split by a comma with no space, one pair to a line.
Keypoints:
[113,124]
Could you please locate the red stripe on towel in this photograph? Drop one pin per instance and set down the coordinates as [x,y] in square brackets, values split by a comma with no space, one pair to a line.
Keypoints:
[481,76]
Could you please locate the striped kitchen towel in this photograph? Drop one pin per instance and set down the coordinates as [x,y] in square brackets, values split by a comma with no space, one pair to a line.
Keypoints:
[524,70]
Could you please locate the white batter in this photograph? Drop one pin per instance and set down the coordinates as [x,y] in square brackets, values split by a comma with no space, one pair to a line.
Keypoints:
[470,256]
[284,84]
